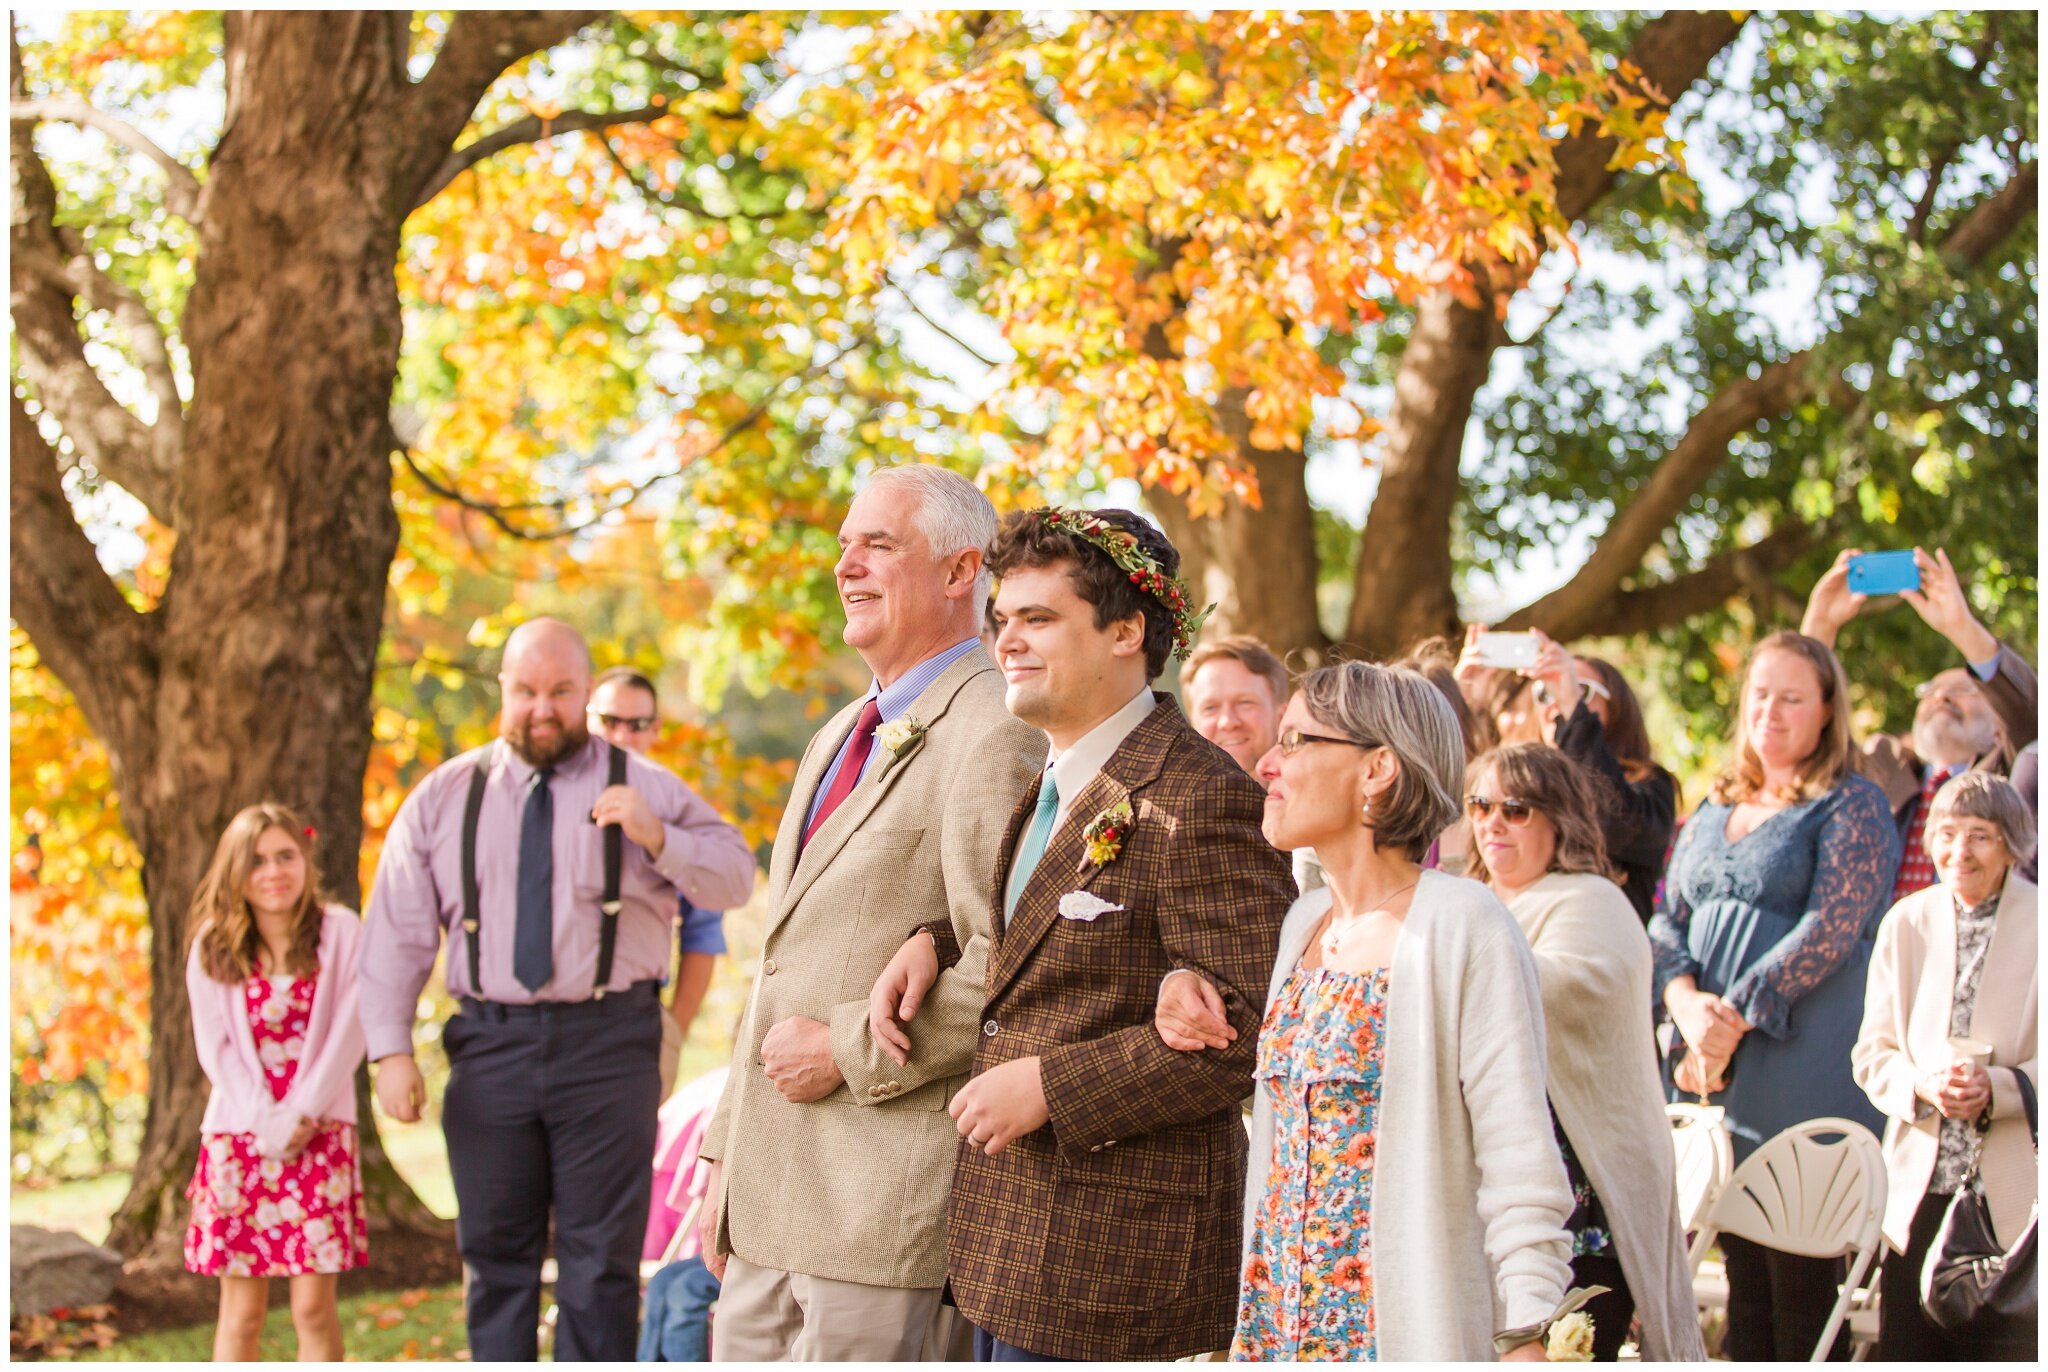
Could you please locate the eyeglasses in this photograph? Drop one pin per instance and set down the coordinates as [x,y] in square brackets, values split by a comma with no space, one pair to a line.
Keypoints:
[638,724]
[1973,837]
[1294,740]
[1592,688]
[1948,690]
[1513,811]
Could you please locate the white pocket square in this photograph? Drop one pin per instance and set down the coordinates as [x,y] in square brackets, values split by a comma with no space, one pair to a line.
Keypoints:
[1085,905]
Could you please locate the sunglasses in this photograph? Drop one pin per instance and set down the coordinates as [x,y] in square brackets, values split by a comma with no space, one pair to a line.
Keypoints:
[638,724]
[1513,811]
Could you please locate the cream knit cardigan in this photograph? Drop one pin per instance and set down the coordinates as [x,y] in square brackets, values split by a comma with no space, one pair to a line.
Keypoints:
[1469,1196]
[1593,959]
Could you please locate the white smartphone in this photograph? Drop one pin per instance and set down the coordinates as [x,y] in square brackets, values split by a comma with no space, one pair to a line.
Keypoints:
[1507,650]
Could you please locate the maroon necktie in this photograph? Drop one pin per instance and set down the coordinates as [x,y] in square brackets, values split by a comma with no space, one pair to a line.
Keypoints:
[858,745]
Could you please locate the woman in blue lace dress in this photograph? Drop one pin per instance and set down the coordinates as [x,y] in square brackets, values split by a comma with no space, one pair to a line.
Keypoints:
[1762,940]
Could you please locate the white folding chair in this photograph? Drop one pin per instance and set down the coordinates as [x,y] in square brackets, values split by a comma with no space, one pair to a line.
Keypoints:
[1799,1194]
[1699,1139]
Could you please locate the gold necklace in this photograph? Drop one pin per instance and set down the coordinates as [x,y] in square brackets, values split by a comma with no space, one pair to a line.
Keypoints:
[1333,937]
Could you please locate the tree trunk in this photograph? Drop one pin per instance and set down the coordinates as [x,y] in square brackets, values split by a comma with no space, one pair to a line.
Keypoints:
[1261,572]
[1402,580]
[251,680]
[1402,587]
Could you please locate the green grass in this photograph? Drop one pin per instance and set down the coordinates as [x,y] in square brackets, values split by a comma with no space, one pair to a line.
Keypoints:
[84,1207]
[383,1326]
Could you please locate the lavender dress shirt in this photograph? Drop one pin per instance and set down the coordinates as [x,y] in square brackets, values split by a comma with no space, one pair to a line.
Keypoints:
[417,895]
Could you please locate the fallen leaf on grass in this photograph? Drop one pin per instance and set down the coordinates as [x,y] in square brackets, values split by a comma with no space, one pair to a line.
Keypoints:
[388,1318]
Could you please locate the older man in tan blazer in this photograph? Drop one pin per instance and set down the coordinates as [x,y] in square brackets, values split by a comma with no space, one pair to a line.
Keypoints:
[834,1162]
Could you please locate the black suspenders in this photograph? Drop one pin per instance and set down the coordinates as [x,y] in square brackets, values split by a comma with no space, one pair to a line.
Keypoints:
[614,859]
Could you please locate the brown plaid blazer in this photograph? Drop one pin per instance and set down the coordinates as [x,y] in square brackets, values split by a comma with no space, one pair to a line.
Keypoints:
[1112,1233]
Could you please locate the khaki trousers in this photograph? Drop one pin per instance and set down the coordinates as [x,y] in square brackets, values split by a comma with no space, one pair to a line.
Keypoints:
[769,1316]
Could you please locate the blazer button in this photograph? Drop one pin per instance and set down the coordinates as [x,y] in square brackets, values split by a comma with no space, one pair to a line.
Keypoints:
[988,1028]
[768,968]
[894,1087]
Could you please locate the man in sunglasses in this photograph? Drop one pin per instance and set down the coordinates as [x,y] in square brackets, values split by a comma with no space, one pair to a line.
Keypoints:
[1969,719]
[624,709]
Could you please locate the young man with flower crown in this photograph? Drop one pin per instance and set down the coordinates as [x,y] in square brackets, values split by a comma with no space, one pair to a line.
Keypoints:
[1097,1194]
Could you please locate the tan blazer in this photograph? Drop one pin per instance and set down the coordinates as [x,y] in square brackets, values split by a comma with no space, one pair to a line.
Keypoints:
[854,1187]
[1905,1036]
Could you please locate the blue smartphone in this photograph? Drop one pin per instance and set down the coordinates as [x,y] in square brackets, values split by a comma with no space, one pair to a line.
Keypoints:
[1883,573]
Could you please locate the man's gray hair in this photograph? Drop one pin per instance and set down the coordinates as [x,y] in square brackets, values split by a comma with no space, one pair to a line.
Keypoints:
[1399,710]
[952,514]
[1987,796]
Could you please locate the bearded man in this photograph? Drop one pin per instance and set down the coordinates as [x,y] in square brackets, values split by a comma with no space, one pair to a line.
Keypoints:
[560,857]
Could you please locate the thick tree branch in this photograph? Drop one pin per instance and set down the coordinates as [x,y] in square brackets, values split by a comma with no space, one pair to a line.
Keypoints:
[531,129]
[1703,447]
[91,637]
[1991,221]
[184,196]
[46,272]
[479,46]
[1645,609]
[1672,51]
[1402,579]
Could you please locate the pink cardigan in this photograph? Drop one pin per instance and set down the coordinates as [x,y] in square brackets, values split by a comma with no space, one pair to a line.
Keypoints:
[324,1086]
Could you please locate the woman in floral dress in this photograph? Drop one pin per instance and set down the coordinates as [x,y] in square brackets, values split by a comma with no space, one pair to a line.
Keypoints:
[278,1190]
[1404,1182]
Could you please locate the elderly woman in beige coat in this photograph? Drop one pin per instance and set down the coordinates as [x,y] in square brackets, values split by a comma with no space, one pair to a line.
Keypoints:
[1955,962]
[1536,840]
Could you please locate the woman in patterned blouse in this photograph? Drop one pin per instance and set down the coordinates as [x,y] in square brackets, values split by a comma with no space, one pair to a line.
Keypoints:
[1761,941]
[1955,962]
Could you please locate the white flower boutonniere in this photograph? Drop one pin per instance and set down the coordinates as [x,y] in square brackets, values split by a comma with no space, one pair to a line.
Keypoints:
[1570,1339]
[900,737]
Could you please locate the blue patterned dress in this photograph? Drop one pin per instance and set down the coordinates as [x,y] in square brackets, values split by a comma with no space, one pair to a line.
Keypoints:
[1306,1292]
[1780,923]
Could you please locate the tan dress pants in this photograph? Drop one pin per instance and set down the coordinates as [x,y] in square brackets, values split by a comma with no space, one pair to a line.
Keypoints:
[769,1316]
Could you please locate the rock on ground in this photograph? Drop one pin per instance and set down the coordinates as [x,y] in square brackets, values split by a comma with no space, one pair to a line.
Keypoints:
[52,1270]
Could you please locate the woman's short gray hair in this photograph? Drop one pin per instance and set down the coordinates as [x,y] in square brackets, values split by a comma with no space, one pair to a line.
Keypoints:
[1400,710]
[1982,795]
[952,514]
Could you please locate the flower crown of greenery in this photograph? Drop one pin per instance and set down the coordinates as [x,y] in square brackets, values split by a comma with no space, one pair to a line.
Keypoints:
[1123,548]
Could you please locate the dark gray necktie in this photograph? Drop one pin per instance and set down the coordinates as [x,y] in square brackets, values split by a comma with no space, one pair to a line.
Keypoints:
[533,939]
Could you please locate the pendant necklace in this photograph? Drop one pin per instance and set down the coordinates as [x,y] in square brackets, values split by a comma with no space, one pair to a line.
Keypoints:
[1333,937]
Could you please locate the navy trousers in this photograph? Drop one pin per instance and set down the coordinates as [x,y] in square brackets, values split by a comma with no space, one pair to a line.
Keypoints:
[989,1348]
[552,1108]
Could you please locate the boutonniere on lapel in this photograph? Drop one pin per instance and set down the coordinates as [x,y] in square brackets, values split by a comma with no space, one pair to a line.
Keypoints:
[1104,837]
[900,737]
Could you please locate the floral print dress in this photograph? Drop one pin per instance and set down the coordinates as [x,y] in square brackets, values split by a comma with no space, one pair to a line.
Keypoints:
[254,1216]
[1306,1293]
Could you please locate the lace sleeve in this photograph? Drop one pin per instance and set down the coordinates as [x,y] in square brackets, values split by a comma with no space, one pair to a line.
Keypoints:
[1669,925]
[1858,857]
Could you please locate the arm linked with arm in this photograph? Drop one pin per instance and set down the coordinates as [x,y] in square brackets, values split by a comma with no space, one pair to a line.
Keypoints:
[943,1034]
[1130,1082]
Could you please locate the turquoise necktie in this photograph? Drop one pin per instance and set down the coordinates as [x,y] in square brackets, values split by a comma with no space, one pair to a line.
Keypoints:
[1035,839]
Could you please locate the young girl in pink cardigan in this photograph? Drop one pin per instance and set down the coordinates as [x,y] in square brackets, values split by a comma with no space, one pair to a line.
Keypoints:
[278,1191]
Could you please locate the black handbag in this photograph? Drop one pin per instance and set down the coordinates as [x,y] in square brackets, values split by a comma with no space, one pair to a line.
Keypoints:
[1970,1285]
